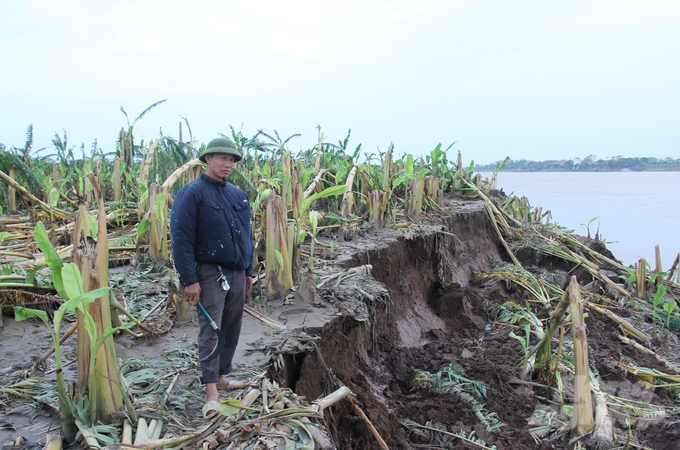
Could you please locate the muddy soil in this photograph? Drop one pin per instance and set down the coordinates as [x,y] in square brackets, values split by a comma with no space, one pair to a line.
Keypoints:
[417,308]
[436,315]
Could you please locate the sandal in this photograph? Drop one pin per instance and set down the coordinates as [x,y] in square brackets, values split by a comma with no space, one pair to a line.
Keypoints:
[237,384]
[210,409]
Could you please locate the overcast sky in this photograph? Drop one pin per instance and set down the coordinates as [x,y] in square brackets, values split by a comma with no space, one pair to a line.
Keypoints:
[526,79]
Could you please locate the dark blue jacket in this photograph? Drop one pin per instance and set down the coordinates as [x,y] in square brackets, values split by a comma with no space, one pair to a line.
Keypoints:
[210,222]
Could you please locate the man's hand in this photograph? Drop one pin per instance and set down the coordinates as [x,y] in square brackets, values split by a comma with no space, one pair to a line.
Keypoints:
[193,293]
[249,284]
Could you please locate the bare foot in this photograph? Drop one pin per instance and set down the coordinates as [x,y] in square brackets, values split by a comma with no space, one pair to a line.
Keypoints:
[211,393]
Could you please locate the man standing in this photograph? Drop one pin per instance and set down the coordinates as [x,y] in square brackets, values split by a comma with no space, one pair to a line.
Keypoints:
[212,245]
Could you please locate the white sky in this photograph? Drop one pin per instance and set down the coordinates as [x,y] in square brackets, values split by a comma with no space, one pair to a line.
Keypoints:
[526,79]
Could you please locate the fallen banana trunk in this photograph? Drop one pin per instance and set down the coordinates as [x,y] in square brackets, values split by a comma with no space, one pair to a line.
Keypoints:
[639,347]
[366,269]
[9,298]
[87,434]
[52,442]
[561,251]
[565,237]
[15,254]
[30,198]
[13,220]
[146,431]
[499,213]
[500,235]
[596,272]
[628,328]
[603,433]
[127,432]
[264,319]
[648,373]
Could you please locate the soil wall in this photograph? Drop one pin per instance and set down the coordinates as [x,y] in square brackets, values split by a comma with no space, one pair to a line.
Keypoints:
[426,273]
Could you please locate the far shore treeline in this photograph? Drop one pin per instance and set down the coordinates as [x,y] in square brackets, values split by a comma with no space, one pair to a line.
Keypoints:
[589,164]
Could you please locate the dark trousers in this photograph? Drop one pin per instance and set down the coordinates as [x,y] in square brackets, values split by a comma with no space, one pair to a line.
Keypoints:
[226,309]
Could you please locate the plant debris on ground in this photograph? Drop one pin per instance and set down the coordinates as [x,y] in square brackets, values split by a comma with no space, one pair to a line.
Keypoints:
[435,311]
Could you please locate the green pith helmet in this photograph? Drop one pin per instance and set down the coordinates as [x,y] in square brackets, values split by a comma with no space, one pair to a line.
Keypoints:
[221,145]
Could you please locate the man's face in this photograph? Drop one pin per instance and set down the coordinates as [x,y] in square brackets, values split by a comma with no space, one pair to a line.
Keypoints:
[220,165]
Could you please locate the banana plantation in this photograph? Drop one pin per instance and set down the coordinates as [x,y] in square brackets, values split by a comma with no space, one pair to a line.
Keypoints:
[399,302]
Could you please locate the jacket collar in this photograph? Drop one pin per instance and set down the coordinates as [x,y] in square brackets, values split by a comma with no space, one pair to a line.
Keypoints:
[205,177]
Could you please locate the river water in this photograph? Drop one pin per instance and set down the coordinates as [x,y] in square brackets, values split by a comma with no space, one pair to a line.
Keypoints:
[636,210]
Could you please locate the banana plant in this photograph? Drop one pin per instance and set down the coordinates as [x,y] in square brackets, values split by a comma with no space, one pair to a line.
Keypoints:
[68,282]
[278,258]
[669,308]
[66,403]
[313,216]
[126,146]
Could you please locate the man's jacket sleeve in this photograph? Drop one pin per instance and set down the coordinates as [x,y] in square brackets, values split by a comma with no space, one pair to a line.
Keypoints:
[183,229]
[249,269]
